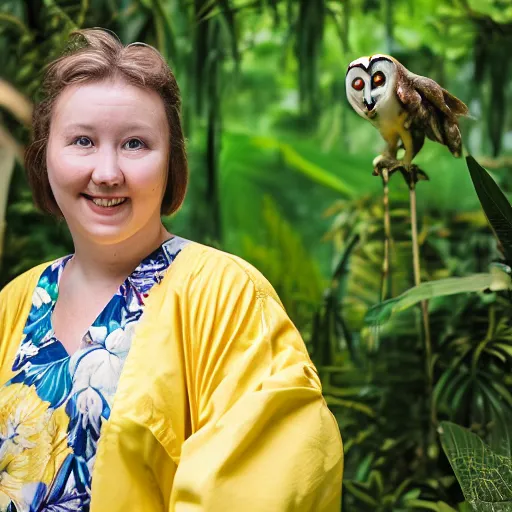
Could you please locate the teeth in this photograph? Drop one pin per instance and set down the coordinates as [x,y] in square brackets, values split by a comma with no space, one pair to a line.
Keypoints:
[108,202]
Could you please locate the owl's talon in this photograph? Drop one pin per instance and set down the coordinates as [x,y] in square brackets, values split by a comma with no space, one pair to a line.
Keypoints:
[412,174]
[382,162]
[422,175]
[377,160]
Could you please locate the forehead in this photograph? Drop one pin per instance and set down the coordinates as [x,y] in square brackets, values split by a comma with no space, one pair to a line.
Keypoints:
[108,100]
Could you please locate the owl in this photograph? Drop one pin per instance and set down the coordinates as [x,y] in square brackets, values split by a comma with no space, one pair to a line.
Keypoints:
[404,107]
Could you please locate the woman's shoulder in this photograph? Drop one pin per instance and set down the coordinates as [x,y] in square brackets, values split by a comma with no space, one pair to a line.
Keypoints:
[16,297]
[23,283]
[211,267]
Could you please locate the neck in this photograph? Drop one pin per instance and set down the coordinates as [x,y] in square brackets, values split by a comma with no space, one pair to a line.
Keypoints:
[113,262]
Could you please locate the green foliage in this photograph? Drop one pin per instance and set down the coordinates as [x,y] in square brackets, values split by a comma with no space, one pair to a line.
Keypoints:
[495,205]
[498,279]
[281,175]
[484,475]
[472,342]
[300,286]
[31,237]
[471,384]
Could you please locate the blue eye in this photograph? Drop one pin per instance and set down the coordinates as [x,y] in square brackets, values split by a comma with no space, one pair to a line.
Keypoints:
[129,144]
[78,141]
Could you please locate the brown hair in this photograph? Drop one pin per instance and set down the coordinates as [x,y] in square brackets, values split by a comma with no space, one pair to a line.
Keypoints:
[95,55]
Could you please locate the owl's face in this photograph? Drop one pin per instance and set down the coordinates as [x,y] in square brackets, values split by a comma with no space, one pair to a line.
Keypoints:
[369,82]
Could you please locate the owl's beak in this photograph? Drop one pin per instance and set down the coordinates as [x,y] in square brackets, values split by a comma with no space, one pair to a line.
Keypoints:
[369,106]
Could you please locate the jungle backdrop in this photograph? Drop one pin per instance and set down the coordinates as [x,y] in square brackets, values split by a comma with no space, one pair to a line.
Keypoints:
[281,175]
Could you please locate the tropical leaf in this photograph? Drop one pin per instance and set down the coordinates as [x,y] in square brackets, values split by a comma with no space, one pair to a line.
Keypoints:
[286,263]
[496,206]
[495,280]
[428,505]
[484,476]
[349,404]
[308,168]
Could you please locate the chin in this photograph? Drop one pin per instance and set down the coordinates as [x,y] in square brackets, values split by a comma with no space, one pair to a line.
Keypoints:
[101,235]
[107,237]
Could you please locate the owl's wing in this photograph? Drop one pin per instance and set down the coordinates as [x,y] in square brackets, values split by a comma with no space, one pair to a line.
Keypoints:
[431,107]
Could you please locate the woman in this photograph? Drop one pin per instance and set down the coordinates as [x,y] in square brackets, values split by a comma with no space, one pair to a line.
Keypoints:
[146,372]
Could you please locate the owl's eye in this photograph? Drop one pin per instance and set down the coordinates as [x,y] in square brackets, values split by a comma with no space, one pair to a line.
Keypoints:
[378,79]
[358,84]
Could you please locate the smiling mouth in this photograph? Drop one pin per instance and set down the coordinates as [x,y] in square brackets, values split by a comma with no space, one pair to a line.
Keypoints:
[106,202]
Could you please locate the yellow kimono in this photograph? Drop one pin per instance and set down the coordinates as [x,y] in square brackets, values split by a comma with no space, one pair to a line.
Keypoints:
[218,407]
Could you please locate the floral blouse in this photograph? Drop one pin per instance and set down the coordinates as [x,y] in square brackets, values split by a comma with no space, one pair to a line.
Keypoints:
[56,404]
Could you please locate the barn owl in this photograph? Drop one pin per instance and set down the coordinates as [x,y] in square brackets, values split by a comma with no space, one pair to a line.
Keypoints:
[404,107]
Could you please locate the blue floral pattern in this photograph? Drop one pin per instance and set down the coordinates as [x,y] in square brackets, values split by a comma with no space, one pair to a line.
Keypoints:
[83,385]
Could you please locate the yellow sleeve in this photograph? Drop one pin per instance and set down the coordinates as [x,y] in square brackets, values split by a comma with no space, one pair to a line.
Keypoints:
[15,301]
[263,438]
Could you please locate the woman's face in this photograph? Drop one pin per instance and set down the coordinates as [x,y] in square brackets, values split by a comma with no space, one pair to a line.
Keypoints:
[107,159]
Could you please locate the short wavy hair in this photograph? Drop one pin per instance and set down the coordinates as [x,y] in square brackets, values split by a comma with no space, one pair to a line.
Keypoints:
[96,55]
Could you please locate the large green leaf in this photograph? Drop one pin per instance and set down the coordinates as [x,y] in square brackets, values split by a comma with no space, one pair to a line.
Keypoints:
[484,476]
[496,206]
[497,279]
[308,168]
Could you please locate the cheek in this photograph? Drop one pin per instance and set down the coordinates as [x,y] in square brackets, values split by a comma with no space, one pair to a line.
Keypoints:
[146,176]
[66,171]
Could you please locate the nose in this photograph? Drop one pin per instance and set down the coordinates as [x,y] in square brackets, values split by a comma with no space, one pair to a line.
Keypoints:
[107,171]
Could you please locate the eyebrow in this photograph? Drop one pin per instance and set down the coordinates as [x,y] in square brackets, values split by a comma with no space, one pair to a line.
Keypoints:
[89,127]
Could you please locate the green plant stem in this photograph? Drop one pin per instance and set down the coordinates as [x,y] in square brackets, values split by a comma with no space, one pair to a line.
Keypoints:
[424,307]
[13,20]
[483,344]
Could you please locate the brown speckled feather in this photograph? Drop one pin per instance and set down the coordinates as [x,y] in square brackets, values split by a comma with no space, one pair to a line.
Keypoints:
[431,107]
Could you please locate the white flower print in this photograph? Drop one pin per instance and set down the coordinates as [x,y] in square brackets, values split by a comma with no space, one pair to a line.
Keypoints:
[90,406]
[27,350]
[101,367]
[40,297]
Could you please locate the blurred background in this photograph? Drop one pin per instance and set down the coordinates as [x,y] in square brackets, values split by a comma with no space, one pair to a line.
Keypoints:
[281,175]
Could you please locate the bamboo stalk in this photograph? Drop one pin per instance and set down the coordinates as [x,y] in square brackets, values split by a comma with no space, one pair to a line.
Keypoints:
[424,304]
[15,102]
[7,161]
[386,263]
